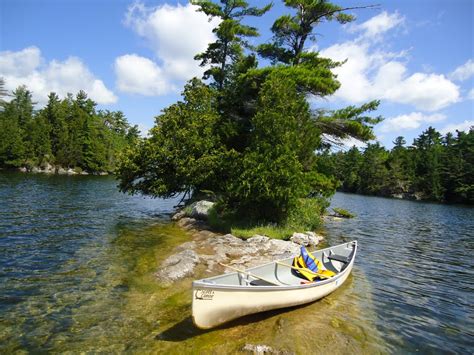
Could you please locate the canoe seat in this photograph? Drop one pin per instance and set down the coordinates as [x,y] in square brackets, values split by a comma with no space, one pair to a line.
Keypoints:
[341,258]
[260,283]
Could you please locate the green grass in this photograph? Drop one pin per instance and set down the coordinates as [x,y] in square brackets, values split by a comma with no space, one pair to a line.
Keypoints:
[340,212]
[306,216]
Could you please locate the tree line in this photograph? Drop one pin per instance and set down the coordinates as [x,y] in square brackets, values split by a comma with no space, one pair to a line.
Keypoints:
[434,167]
[246,133]
[67,133]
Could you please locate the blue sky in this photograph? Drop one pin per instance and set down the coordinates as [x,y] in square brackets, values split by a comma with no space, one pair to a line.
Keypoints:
[417,57]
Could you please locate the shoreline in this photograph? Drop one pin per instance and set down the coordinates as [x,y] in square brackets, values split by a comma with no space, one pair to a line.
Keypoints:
[208,248]
[54,170]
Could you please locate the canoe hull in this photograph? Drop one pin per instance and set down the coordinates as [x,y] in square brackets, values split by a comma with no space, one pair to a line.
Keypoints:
[213,305]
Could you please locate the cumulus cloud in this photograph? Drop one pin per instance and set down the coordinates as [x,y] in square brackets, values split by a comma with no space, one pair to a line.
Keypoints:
[463,126]
[409,121]
[378,25]
[140,75]
[372,73]
[463,72]
[26,67]
[175,34]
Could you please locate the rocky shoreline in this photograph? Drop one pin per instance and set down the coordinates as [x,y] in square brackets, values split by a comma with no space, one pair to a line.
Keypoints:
[56,170]
[209,250]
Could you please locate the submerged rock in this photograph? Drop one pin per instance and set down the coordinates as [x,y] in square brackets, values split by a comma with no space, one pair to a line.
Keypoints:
[258,349]
[178,266]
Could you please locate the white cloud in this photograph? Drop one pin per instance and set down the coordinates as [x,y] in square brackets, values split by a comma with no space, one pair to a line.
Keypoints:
[409,121]
[378,25]
[20,63]
[175,34]
[140,75]
[25,68]
[463,72]
[371,73]
[463,126]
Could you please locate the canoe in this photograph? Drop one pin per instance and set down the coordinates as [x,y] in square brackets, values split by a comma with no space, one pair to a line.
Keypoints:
[219,299]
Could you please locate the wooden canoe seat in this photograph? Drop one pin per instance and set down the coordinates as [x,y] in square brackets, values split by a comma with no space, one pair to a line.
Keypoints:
[341,258]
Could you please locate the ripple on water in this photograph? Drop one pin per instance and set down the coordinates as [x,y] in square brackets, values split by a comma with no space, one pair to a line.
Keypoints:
[77,261]
[418,258]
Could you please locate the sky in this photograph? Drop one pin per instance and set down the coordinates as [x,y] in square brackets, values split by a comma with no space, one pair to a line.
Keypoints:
[416,57]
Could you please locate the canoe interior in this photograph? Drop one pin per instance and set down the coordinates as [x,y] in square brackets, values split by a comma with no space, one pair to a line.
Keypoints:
[281,275]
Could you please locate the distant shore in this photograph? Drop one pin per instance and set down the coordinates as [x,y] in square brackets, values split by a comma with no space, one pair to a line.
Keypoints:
[54,170]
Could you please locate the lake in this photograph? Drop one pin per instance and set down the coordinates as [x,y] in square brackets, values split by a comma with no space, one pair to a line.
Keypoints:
[77,259]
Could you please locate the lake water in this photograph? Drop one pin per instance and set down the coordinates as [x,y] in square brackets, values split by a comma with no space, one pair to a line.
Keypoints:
[77,260]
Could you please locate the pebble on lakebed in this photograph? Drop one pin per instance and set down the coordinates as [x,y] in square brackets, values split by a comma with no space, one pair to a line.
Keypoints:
[209,249]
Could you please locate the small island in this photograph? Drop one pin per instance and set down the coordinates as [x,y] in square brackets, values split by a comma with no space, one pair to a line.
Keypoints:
[108,234]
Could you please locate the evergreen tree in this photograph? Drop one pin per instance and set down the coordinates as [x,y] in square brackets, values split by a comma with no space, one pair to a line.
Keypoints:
[16,116]
[227,50]
[256,151]
[428,164]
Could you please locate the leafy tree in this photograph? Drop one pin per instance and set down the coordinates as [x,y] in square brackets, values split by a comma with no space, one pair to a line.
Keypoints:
[183,153]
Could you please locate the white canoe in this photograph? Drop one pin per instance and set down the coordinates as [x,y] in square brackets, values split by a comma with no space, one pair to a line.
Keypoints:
[219,299]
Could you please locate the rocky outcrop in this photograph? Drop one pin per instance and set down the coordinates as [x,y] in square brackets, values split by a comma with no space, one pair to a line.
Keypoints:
[196,210]
[200,209]
[308,239]
[51,169]
[211,250]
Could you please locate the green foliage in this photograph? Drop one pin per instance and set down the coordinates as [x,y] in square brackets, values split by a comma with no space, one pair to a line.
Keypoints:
[291,32]
[183,153]
[305,216]
[433,168]
[249,136]
[340,212]
[227,50]
[269,175]
[67,133]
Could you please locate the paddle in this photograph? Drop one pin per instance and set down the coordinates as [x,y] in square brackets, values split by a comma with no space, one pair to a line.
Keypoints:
[250,274]
[298,268]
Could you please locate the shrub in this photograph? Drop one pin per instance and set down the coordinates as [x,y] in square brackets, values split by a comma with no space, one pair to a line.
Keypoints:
[340,212]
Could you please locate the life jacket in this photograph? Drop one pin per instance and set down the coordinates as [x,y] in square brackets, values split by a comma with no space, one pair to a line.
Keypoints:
[309,267]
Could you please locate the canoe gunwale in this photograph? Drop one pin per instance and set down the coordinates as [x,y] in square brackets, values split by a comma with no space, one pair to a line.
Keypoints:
[345,269]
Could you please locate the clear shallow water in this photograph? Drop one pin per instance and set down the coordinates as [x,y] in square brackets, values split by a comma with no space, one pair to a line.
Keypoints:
[77,260]
[418,258]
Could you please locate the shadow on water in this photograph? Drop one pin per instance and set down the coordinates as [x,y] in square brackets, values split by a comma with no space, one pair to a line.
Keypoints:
[185,329]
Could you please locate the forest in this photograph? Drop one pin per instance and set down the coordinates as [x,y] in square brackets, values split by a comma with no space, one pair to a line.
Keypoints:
[434,168]
[67,133]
